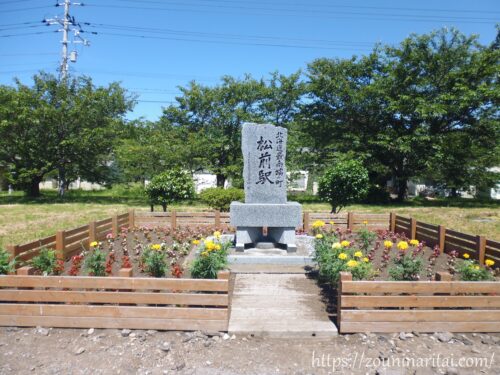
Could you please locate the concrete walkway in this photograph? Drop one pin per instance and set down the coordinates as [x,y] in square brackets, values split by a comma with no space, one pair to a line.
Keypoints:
[278,305]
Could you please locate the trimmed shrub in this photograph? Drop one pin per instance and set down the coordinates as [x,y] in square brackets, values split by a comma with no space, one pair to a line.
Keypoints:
[220,199]
[169,187]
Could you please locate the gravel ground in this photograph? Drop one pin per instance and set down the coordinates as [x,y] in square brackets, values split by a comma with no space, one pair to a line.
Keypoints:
[78,351]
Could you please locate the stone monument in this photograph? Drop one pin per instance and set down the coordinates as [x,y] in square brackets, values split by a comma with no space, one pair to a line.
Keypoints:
[264,173]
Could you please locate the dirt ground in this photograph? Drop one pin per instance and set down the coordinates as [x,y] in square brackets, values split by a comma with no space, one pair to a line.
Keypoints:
[82,351]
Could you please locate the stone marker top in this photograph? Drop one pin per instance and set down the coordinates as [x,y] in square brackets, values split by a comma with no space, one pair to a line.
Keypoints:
[264,171]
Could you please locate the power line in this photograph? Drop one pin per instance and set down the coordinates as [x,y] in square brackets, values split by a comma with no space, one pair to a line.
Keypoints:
[23,9]
[309,13]
[24,34]
[28,54]
[308,4]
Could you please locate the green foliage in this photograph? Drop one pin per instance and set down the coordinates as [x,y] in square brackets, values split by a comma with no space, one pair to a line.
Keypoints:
[220,198]
[406,267]
[46,262]
[169,187]
[6,264]
[209,262]
[95,262]
[62,128]
[366,237]
[345,183]
[469,270]
[154,262]
[331,262]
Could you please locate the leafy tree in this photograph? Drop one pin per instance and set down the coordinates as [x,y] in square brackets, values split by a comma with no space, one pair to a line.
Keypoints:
[396,106]
[67,126]
[169,187]
[344,183]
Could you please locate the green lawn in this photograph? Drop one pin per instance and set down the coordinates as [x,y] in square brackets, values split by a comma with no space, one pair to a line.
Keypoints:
[22,220]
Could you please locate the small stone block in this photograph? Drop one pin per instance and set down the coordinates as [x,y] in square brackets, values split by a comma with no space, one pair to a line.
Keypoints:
[25,271]
[125,272]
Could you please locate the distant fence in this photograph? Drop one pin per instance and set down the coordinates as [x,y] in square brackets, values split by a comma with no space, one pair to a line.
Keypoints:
[67,242]
[114,302]
[418,306]
[478,247]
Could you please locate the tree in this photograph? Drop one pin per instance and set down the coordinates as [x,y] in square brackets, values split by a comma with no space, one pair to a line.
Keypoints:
[345,183]
[67,126]
[395,106]
[169,187]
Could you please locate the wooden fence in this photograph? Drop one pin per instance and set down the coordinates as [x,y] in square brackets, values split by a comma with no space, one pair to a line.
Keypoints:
[114,302]
[421,306]
[67,242]
[478,247]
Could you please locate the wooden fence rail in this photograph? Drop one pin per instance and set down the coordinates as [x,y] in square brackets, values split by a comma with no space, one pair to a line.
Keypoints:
[478,247]
[114,302]
[421,306]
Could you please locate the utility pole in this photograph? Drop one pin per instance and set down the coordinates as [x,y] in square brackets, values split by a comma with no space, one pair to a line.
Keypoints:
[64,61]
[68,25]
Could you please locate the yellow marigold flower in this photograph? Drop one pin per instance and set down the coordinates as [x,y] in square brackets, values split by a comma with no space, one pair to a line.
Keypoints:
[94,244]
[466,256]
[318,224]
[336,246]
[366,260]
[332,222]
[204,253]
[476,267]
[388,244]
[217,247]
[403,245]
[365,222]
[358,254]
[196,242]
[352,263]
[343,256]
[209,245]
[414,242]
[489,262]
[217,234]
[345,243]
[156,246]
[319,236]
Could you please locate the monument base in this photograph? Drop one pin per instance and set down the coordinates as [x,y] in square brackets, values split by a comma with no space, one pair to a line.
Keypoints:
[280,220]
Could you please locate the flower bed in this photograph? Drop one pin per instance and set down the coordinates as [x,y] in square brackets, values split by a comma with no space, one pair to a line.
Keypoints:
[385,255]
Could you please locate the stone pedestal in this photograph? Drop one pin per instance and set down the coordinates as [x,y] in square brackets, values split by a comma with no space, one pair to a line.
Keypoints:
[280,220]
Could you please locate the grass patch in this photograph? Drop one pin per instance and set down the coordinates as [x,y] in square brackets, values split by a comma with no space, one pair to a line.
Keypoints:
[23,219]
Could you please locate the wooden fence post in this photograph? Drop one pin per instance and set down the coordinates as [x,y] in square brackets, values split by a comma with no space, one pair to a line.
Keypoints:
[12,249]
[481,248]
[441,237]
[343,276]
[306,221]
[173,218]
[60,243]
[131,218]
[223,275]
[392,222]
[413,229]
[92,232]
[350,220]
[217,219]
[114,226]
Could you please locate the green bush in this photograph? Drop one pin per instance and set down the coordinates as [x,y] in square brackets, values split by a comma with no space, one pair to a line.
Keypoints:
[469,270]
[220,199]
[6,265]
[366,238]
[345,183]
[406,267]
[95,263]
[211,260]
[169,187]
[153,261]
[46,263]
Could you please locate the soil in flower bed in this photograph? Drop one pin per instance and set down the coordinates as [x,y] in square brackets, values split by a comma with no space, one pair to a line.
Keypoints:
[131,243]
[433,260]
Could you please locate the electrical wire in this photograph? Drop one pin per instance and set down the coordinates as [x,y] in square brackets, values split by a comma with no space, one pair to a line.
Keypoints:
[24,34]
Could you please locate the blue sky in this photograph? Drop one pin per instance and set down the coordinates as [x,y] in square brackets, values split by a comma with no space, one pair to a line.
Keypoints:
[153,46]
